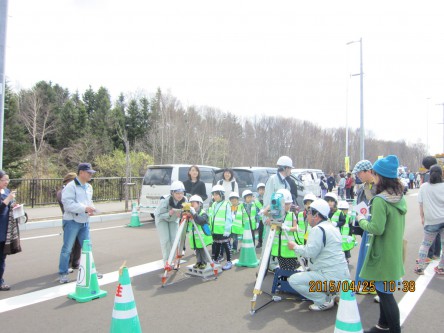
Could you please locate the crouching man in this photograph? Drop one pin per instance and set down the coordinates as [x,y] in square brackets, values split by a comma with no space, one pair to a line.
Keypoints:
[326,259]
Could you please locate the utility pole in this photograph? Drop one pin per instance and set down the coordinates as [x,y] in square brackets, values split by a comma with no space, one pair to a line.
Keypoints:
[3,18]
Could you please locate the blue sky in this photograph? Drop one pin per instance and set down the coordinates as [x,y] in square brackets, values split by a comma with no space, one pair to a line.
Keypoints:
[246,57]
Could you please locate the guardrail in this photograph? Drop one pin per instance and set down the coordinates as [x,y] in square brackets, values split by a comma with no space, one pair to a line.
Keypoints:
[37,192]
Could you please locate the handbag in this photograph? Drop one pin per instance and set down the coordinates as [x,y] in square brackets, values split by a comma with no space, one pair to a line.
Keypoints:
[12,243]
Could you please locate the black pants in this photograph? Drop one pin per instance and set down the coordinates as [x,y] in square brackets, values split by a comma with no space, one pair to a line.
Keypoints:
[389,312]
[221,242]
[260,231]
[76,252]
[2,261]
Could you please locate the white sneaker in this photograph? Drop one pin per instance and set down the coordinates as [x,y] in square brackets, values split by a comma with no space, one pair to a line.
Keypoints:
[70,270]
[64,278]
[376,299]
[322,307]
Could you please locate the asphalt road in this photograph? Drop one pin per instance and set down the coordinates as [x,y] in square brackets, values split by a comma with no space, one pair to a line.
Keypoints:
[189,304]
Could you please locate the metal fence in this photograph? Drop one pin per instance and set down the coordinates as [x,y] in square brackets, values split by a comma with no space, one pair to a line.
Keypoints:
[37,192]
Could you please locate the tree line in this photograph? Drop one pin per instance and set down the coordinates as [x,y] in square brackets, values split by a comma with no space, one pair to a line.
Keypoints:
[49,130]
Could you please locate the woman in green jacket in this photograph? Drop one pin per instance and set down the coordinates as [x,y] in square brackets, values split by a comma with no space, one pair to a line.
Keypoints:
[383,264]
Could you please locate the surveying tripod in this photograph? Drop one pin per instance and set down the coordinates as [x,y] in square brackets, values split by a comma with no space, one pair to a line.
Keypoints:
[173,262]
[264,266]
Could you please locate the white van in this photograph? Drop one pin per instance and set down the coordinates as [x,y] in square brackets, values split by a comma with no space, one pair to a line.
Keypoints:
[311,178]
[158,178]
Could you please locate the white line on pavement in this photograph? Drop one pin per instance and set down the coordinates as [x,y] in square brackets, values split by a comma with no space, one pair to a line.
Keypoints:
[409,300]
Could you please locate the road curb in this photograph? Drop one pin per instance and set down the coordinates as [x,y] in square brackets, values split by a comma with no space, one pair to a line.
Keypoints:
[58,222]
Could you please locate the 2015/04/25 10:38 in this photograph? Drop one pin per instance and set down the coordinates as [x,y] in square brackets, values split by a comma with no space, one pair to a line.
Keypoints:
[359,286]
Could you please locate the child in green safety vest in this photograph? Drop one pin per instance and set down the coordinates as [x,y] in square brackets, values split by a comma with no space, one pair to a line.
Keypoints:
[220,222]
[249,212]
[303,225]
[348,240]
[237,227]
[287,258]
[203,229]
[259,203]
[336,216]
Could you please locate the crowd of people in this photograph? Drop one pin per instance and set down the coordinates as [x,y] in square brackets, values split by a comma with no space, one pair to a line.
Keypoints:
[321,234]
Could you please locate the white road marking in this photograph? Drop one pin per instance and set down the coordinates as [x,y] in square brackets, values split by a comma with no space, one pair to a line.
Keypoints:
[39,296]
[409,300]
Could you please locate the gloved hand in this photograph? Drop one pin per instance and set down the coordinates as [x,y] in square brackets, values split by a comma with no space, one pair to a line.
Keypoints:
[192,211]
[285,227]
[350,239]
[227,233]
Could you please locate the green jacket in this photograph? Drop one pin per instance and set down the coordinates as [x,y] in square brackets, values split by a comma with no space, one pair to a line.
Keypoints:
[383,261]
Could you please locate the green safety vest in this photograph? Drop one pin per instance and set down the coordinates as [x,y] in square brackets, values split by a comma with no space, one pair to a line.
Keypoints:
[344,230]
[250,219]
[304,229]
[237,227]
[280,242]
[195,242]
[218,216]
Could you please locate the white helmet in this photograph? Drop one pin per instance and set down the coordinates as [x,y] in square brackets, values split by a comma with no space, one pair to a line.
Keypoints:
[233,195]
[331,195]
[285,161]
[196,198]
[260,185]
[218,188]
[321,206]
[343,205]
[177,186]
[286,194]
[309,196]
[246,192]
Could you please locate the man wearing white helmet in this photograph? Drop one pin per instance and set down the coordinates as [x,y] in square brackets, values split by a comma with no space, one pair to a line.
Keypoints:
[259,202]
[201,219]
[275,183]
[326,261]
[166,217]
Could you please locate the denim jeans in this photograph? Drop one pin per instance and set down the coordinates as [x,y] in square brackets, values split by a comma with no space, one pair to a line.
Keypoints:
[71,231]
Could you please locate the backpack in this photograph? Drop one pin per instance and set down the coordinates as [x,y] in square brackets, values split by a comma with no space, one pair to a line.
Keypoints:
[220,182]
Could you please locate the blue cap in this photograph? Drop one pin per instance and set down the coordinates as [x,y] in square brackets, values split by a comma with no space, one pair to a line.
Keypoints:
[387,166]
[85,167]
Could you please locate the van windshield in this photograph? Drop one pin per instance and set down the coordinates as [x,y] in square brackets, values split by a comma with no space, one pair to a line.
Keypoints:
[158,176]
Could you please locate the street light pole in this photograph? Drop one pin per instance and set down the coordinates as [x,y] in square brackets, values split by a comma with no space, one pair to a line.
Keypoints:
[361,84]
[3,19]
[442,126]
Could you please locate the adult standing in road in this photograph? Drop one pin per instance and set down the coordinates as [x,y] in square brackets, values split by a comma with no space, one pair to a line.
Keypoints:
[327,261]
[76,252]
[363,170]
[78,205]
[348,186]
[274,183]
[383,262]
[431,204]
[193,185]
[331,182]
[7,198]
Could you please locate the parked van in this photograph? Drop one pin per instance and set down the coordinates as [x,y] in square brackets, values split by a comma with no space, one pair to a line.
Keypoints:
[311,178]
[158,178]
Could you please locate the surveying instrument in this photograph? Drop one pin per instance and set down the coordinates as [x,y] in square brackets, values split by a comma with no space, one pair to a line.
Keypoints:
[277,213]
[173,262]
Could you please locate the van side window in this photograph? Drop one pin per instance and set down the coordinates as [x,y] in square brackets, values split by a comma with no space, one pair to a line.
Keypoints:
[206,175]
[157,176]
[183,173]
[262,176]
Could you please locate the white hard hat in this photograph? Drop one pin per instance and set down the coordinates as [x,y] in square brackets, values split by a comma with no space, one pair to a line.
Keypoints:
[343,204]
[218,188]
[309,196]
[285,161]
[177,186]
[233,195]
[196,198]
[286,194]
[331,195]
[321,206]
[246,192]
[260,185]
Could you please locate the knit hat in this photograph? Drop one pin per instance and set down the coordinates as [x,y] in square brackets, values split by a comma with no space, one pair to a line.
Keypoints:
[363,165]
[387,166]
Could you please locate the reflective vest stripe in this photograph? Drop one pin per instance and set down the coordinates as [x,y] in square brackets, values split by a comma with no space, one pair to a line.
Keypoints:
[280,242]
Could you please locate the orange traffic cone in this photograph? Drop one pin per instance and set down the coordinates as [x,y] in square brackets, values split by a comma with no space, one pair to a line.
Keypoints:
[125,318]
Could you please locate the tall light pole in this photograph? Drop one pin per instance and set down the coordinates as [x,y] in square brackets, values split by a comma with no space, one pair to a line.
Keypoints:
[361,76]
[3,18]
[442,126]
[427,127]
